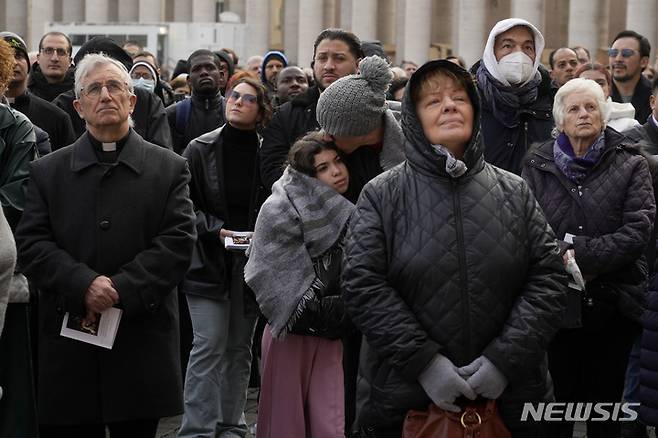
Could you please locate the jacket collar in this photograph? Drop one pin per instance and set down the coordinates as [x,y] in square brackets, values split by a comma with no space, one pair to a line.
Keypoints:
[613,139]
[132,155]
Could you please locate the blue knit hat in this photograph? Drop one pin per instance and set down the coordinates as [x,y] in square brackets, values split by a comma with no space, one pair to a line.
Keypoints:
[269,55]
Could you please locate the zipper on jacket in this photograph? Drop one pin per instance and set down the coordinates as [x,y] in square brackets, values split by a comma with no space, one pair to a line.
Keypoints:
[461,252]
[525,133]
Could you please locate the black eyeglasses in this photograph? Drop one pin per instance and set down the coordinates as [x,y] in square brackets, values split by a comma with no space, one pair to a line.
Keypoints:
[51,50]
[249,98]
[626,53]
[114,88]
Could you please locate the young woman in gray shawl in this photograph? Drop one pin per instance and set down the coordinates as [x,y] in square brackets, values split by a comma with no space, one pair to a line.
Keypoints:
[294,270]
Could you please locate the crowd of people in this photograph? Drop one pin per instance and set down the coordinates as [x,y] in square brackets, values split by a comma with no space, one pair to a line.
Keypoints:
[357,239]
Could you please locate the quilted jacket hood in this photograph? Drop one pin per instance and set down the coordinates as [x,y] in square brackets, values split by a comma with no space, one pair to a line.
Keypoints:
[417,147]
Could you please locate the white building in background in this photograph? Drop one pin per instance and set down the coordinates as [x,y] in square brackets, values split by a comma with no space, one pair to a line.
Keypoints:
[416,30]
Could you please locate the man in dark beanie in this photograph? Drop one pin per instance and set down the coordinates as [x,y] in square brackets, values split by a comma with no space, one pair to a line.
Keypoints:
[227,68]
[149,115]
[41,113]
[204,110]
[52,74]
[336,53]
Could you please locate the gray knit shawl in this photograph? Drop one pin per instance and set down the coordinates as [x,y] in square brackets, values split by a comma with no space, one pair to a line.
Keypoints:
[300,221]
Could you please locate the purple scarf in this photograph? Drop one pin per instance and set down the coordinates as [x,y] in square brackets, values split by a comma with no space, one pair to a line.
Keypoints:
[573,167]
[504,102]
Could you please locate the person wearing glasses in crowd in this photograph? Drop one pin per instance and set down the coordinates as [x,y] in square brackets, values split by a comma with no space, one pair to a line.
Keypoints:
[205,110]
[124,239]
[52,74]
[227,193]
[629,55]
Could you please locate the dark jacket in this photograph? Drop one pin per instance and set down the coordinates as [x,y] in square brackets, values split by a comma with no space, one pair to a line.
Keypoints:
[42,144]
[505,147]
[210,272]
[292,120]
[462,266]
[48,117]
[38,84]
[646,135]
[640,99]
[204,115]
[17,150]
[133,222]
[149,117]
[610,214]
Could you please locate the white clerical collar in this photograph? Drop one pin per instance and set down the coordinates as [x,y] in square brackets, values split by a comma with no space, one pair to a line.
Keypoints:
[109,147]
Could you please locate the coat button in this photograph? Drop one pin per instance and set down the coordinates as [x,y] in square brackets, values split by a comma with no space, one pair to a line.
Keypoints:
[543,165]
[532,161]
[580,227]
[152,306]
[104,225]
[573,190]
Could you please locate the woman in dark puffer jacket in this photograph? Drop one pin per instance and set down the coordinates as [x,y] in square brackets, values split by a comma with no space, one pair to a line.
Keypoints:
[451,271]
[596,192]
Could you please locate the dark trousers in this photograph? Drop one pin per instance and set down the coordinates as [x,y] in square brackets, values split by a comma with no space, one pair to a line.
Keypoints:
[588,365]
[18,415]
[124,429]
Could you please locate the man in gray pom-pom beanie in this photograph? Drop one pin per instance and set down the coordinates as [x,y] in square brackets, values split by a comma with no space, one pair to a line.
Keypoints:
[354,113]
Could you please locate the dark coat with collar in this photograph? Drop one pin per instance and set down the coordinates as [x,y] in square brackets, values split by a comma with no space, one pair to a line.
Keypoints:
[610,214]
[640,98]
[149,117]
[48,117]
[505,147]
[39,85]
[133,222]
[291,121]
[463,266]
[209,274]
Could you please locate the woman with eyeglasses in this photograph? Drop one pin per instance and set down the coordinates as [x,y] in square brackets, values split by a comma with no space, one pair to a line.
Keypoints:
[227,192]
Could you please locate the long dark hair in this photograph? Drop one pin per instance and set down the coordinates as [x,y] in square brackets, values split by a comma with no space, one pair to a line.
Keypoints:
[302,154]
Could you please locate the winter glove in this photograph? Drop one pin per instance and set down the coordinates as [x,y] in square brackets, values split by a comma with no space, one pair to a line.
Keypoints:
[485,379]
[443,384]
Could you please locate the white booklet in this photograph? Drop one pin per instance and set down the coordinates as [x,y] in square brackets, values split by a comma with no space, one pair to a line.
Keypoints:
[240,240]
[101,331]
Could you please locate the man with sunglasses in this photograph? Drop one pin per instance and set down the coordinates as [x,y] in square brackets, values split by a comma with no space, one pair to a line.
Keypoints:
[204,111]
[52,74]
[628,56]
[107,222]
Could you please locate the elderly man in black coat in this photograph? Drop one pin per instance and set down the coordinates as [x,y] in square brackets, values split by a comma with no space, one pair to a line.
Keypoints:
[116,230]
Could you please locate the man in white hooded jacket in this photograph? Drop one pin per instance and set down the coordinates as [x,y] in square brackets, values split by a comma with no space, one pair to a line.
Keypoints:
[516,93]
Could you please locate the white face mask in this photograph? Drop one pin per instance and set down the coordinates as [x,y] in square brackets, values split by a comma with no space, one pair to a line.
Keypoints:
[517,67]
[146,84]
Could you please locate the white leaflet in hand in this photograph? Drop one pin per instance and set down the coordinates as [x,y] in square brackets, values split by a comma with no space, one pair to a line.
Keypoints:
[102,331]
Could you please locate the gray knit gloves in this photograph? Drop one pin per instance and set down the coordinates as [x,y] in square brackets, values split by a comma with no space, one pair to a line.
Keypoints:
[444,382]
[485,379]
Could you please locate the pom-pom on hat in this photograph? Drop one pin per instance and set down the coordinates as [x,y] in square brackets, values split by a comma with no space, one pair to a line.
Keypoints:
[354,104]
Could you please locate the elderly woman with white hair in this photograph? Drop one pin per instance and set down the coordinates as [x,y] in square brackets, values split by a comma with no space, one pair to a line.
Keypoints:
[596,192]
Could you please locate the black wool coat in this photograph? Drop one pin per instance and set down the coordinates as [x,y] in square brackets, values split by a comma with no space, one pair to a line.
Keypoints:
[611,214]
[48,117]
[133,222]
